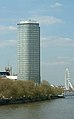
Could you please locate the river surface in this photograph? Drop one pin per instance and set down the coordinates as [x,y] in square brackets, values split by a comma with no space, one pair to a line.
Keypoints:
[54,109]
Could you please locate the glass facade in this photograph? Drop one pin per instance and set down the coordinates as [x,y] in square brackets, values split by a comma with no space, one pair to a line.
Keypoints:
[28,51]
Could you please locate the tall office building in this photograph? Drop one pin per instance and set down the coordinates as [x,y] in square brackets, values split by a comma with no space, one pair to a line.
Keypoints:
[28,48]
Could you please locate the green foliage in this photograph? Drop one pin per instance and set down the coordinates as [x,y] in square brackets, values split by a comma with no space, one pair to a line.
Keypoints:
[27,89]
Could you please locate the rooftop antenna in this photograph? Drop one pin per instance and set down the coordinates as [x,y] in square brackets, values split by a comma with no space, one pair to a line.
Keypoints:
[8,69]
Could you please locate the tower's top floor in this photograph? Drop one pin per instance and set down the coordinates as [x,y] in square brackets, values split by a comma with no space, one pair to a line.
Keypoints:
[28,22]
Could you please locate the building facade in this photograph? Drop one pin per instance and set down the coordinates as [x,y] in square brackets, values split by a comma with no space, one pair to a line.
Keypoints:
[28,51]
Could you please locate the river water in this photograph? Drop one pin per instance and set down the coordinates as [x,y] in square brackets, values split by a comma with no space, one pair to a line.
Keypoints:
[54,109]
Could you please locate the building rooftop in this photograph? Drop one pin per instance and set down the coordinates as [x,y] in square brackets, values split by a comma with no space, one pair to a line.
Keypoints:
[29,21]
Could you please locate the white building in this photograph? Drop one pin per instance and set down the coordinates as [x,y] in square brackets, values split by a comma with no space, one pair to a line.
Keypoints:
[12,77]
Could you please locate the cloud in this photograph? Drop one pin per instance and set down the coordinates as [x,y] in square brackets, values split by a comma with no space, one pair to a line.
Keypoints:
[2,28]
[56,41]
[56,5]
[53,63]
[48,20]
[60,60]
[6,43]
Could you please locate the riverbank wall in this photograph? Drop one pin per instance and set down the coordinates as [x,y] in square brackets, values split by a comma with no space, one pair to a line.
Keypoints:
[24,100]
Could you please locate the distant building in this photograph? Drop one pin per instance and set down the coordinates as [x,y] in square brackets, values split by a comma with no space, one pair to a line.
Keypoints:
[7,72]
[12,77]
[4,74]
[28,51]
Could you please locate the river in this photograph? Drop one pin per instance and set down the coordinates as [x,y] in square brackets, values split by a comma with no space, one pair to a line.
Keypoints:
[62,108]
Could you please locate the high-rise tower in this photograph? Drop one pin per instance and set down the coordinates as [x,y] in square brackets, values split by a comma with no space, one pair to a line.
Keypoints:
[28,51]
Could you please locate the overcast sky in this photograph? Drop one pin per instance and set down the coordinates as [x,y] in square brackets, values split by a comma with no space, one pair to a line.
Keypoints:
[56,18]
